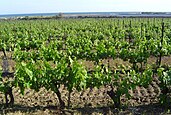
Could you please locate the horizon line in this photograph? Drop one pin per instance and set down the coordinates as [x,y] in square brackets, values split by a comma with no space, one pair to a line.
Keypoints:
[87,12]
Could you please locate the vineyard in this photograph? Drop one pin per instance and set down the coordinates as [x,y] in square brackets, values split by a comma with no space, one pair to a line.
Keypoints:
[117,54]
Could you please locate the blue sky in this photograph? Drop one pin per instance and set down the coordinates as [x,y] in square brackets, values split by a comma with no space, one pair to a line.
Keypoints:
[45,6]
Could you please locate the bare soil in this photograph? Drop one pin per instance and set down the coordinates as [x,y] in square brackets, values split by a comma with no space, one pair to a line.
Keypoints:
[90,101]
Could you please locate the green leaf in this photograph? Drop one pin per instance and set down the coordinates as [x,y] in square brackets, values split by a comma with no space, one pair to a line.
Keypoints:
[70,60]
[23,64]
[29,73]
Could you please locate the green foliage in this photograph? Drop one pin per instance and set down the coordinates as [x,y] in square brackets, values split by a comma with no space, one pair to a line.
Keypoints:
[49,53]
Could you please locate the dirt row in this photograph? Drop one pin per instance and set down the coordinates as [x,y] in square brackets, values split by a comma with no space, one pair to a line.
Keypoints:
[90,101]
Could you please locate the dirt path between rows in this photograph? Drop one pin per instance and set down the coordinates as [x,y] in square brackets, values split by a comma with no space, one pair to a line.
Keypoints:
[90,101]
